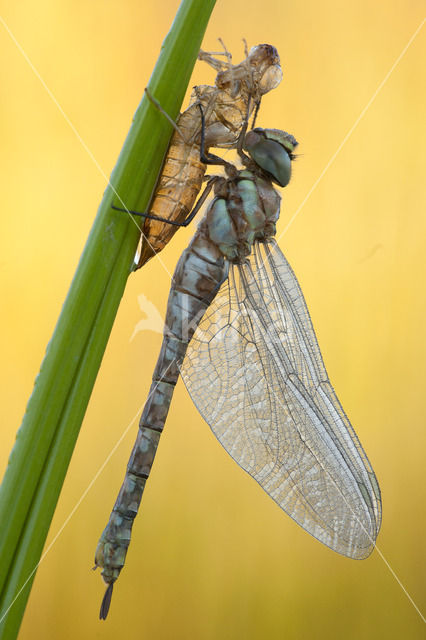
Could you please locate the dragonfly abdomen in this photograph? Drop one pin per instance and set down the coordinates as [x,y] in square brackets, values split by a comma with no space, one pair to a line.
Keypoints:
[196,280]
[180,183]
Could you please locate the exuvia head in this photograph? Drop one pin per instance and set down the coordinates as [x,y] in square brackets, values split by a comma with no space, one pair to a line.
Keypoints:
[272,150]
[264,59]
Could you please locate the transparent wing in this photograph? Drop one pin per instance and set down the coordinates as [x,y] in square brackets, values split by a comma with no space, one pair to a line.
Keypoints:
[255,372]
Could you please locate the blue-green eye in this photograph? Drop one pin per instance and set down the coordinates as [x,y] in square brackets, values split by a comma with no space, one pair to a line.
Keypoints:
[271,150]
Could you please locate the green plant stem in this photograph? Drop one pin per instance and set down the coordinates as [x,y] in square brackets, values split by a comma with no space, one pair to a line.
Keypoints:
[56,408]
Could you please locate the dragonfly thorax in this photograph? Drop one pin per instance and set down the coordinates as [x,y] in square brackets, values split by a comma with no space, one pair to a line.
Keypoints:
[246,206]
[245,209]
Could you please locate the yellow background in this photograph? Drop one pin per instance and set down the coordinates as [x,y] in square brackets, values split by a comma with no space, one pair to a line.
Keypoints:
[212,556]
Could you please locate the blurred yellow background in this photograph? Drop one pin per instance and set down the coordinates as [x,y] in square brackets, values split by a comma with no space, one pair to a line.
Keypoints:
[212,556]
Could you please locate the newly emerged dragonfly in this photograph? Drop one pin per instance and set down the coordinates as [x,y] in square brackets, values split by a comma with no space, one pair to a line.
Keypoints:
[238,331]
[237,91]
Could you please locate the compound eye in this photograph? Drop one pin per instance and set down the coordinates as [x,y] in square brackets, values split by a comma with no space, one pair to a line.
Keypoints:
[271,79]
[270,156]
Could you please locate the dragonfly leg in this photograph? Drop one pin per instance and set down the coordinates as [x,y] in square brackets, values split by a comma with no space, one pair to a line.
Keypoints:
[256,111]
[210,182]
[244,157]
[150,216]
[211,158]
[206,156]
[203,197]
[158,106]
[246,49]
[207,56]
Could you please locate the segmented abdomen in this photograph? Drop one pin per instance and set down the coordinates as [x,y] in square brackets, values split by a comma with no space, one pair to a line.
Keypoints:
[179,184]
[198,276]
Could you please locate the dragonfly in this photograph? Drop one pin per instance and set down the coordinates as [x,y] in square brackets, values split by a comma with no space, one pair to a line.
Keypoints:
[238,91]
[239,333]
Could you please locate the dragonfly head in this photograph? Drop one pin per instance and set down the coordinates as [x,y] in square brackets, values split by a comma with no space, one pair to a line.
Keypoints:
[272,150]
[259,73]
[265,63]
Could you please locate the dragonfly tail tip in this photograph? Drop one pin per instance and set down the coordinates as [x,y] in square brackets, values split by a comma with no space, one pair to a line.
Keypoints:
[106,601]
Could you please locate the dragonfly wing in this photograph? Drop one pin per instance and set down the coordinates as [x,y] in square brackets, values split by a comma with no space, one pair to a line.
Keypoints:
[255,372]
